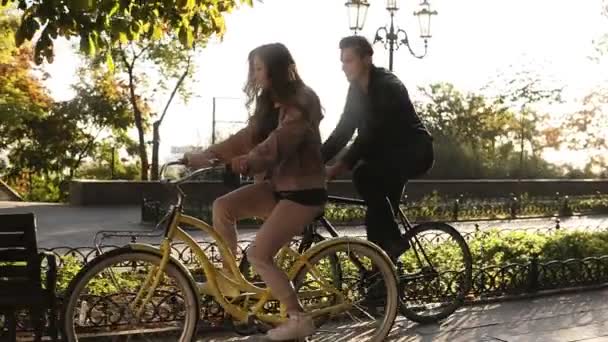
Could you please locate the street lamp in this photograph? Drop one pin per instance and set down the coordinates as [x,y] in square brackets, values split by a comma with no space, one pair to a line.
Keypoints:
[357,13]
[391,36]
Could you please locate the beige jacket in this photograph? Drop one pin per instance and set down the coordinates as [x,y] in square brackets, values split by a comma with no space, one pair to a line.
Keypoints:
[290,157]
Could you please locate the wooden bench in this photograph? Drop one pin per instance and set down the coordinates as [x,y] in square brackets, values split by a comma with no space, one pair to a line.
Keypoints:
[21,283]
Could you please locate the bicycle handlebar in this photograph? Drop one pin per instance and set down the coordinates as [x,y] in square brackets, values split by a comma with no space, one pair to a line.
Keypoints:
[215,165]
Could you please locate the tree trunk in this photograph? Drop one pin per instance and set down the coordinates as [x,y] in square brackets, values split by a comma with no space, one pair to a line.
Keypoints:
[139,124]
[83,153]
[155,147]
[143,154]
[156,125]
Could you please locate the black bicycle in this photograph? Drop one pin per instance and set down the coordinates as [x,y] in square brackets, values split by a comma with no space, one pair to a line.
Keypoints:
[435,273]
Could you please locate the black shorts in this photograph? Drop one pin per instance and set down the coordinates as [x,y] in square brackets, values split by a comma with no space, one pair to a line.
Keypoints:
[308,197]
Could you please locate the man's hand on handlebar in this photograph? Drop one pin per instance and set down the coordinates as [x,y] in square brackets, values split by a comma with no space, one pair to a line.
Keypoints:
[335,170]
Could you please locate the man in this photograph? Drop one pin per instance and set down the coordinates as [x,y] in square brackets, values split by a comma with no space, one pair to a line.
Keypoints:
[392,143]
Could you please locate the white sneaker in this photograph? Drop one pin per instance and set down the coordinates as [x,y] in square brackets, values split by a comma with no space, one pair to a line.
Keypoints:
[298,326]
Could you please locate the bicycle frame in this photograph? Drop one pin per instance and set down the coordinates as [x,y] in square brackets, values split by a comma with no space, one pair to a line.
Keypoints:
[249,291]
[399,214]
[407,226]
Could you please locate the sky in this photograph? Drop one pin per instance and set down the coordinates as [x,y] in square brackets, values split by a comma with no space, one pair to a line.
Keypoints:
[473,42]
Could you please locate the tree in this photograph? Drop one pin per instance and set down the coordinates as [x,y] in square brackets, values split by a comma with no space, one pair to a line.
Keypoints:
[586,129]
[139,62]
[107,164]
[23,97]
[3,165]
[102,24]
[150,58]
[157,123]
[601,43]
[128,32]
[470,130]
[55,143]
[127,29]
[47,141]
[475,135]
[101,111]
[525,92]
[152,71]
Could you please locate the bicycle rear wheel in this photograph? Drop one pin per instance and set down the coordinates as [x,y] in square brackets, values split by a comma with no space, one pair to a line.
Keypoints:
[367,287]
[98,307]
[435,274]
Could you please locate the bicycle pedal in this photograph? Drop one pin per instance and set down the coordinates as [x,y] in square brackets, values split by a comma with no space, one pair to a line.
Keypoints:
[245,329]
[253,326]
[262,327]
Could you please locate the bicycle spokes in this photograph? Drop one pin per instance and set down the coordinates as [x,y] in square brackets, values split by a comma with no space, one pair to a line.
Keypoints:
[130,301]
[435,273]
[346,293]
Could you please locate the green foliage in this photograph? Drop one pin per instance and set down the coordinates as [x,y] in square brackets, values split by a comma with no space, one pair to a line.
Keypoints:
[104,24]
[101,166]
[68,271]
[497,248]
[98,286]
[579,245]
[149,69]
[585,129]
[3,166]
[435,207]
[47,141]
[488,248]
[23,97]
[479,137]
[128,37]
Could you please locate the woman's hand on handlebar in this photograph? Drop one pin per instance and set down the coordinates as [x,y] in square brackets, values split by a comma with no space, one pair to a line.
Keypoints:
[240,164]
[199,160]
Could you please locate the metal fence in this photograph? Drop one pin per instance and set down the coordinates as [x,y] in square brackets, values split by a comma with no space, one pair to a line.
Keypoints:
[528,277]
[435,208]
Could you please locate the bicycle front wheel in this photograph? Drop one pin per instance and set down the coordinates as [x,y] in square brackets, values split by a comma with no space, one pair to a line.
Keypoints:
[102,301]
[362,305]
[435,274]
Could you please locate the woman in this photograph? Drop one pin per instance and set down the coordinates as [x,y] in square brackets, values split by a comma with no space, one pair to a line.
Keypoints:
[280,146]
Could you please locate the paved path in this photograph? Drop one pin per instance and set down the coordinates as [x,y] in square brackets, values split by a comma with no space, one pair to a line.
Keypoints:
[578,317]
[64,225]
[567,318]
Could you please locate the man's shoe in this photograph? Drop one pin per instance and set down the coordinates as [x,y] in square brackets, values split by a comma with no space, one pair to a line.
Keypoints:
[397,248]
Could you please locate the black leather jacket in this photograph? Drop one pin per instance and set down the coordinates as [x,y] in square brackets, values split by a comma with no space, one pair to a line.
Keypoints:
[384,118]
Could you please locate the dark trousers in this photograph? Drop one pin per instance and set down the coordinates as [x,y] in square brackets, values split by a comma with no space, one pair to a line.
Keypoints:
[380,181]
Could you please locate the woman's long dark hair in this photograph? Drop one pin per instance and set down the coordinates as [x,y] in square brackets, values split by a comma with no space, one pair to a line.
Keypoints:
[284,83]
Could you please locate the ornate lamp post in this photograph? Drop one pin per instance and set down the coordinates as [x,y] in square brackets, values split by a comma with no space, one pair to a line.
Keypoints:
[392,37]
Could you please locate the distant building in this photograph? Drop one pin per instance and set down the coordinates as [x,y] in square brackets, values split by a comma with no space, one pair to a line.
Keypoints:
[184,149]
[176,152]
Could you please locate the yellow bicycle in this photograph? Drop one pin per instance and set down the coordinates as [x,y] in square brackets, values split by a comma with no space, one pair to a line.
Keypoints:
[143,293]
